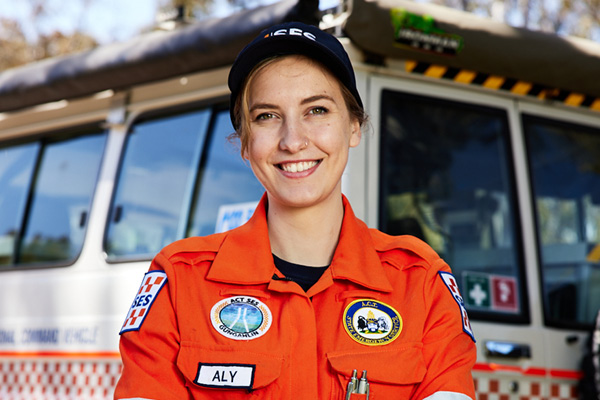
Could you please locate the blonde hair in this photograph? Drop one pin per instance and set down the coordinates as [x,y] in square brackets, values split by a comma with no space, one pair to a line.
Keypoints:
[241,108]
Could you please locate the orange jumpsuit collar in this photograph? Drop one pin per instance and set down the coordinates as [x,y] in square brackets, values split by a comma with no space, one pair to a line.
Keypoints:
[245,256]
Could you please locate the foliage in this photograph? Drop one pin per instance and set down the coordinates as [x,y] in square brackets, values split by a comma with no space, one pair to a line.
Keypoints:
[16,50]
[567,17]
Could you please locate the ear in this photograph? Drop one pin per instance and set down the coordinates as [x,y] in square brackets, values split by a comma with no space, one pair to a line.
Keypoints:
[244,154]
[355,133]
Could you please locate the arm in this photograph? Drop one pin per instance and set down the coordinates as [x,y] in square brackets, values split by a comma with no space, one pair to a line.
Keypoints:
[150,340]
[448,343]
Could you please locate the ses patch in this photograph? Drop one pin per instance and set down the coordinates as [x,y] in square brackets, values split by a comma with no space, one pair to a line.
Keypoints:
[152,283]
[452,286]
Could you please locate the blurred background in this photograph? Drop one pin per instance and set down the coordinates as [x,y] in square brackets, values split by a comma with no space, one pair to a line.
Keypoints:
[491,156]
[32,30]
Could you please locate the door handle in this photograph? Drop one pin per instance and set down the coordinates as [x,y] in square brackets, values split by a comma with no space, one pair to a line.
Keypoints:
[507,350]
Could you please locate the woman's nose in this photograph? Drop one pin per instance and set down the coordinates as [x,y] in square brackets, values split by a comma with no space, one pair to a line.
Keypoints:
[293,137]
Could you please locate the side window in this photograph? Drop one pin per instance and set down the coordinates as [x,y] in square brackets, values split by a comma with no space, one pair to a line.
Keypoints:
[157,175]
[226,181]
[177,174]
[16,172]
[446,178]
[564,162]
[47,190]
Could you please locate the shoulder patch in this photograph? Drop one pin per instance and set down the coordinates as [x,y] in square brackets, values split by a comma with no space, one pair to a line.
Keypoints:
[450,282]
[152,283]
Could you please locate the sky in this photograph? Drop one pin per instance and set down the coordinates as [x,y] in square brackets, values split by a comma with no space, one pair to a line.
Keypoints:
[105,20]
[114,20]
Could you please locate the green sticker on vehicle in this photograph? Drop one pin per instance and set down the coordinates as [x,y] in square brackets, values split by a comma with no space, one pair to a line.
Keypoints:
[420,32]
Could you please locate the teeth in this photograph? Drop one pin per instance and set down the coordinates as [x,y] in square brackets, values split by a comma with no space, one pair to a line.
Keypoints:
[298,167]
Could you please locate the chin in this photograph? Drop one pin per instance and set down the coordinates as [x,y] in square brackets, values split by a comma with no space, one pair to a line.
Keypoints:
[299,200]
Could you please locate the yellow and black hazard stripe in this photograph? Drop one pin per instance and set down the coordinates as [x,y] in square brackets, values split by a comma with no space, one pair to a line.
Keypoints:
[496,82]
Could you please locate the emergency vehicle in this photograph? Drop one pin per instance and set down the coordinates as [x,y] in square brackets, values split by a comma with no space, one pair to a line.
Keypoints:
[484,140]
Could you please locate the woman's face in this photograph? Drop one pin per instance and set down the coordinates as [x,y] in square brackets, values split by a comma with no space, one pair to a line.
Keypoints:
[300,132]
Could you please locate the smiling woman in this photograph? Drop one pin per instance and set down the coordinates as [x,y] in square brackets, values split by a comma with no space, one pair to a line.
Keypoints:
[298,145]
[304,292]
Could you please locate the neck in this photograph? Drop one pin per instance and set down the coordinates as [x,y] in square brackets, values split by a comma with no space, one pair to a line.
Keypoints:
[308,235]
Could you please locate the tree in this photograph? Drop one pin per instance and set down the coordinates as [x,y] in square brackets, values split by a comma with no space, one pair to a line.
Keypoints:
[25,42]
[565,17]
[20,46]
[16,48]
[200,9]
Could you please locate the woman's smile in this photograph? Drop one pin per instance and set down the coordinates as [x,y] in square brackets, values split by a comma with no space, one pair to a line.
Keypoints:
[295,167]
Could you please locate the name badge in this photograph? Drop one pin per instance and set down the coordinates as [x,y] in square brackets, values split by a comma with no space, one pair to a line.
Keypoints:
[232,376]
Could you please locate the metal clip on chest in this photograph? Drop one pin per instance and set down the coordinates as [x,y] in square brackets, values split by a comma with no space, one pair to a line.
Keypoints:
[357,386]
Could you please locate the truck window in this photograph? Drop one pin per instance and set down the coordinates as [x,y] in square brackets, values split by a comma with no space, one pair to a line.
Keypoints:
[48,189]
[156,177]
[225,181]
[177,172]
[17,165]
[564,162]
[446,178]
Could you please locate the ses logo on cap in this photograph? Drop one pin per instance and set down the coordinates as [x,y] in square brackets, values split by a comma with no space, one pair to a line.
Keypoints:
[292,32]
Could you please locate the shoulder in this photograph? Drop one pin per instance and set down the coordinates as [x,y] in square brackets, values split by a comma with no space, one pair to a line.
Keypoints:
[405,251]
[193,250]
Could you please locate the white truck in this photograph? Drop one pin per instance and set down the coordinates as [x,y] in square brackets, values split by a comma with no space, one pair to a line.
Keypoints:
[484,140]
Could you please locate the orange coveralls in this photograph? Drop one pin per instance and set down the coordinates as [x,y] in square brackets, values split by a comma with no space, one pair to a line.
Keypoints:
[305,345]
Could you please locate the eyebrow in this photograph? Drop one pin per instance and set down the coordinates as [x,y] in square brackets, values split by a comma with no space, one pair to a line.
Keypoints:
[317,98]
[260,106]
[304,101]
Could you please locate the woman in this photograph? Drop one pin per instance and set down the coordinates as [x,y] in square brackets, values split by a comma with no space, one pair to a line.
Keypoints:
[304,301]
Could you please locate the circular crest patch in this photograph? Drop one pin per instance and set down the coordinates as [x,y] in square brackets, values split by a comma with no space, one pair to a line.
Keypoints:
[241,318]
[371,322]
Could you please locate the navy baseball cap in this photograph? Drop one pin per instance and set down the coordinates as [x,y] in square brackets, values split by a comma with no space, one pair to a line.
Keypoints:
[292,38]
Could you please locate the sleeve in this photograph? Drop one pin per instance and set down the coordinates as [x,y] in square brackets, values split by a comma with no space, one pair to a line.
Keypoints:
[448,341]
[150,339]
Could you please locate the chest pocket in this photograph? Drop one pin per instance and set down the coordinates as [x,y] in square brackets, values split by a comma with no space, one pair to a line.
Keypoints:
[392,372]
[228,372]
